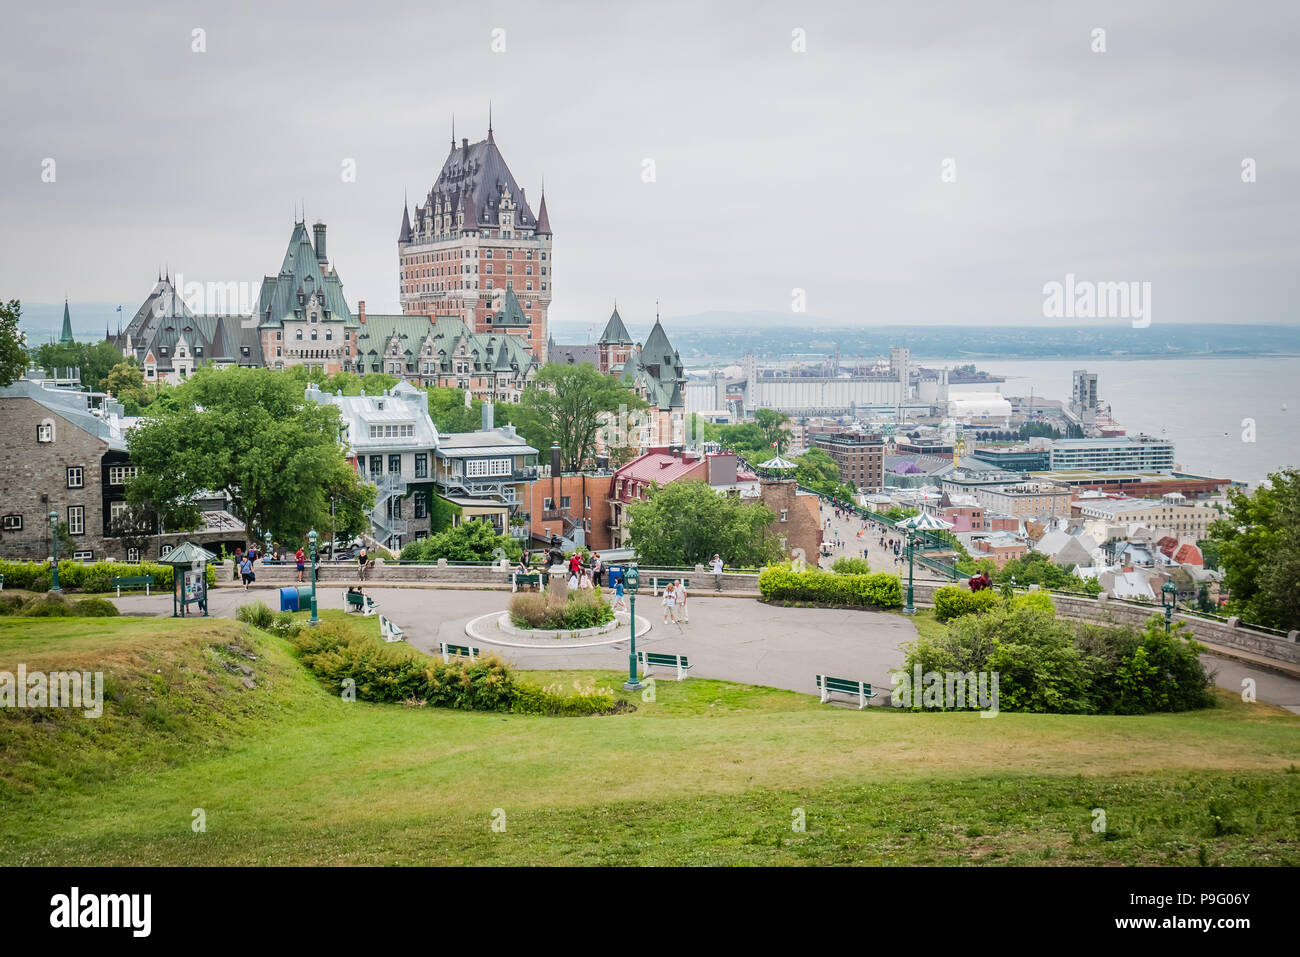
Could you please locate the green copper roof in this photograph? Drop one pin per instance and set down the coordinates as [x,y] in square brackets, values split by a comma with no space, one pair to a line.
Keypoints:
[615,331]
[66,334]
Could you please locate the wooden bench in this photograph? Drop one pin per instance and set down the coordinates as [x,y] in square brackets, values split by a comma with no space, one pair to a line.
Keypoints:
[132,581]
[362,603]
[388,631]
[860,689]
[519,578]
[656,582]
[460,651]
[651,659]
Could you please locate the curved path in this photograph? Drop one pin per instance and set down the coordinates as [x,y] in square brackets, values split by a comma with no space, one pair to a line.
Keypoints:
[738,639]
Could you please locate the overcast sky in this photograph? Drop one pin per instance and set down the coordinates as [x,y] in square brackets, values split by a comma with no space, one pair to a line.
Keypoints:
[774,170]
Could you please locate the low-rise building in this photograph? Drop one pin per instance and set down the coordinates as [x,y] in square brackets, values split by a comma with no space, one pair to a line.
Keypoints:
[1025,500]
[65,452]
[1166,515]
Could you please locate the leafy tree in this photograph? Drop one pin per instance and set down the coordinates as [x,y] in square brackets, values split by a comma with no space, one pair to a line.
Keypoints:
[13,343]
[347,383]
[566,404]
[252,434]
[448,411]
[472,541]
[95,360]
[1209,552]
[1258,544]
[126,382]
[746,439]
[773,424]
[821,473]
[685,523]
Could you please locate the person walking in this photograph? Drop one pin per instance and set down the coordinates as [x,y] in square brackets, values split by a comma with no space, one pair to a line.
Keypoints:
[716,567]
[597,568]
[246,571]
[300,559]
[618,595]
[239,561]
[681,603]
[670,604]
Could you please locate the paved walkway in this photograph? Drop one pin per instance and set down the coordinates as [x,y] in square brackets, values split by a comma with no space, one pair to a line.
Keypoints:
[842,535]
[737,639]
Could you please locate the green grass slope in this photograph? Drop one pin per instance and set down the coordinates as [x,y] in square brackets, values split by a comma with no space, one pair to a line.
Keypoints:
[709,772]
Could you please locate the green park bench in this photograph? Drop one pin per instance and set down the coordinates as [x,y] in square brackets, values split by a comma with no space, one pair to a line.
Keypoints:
[657,583]
[132,581]
[652,659]
[362,603]
[459,651]
[859,689]
[388,631]
[518,579]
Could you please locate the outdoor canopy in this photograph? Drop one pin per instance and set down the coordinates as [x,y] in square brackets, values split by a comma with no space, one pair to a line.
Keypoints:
[925,522]
[778,463]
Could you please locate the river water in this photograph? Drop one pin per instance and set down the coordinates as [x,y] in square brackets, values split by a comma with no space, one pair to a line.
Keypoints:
[1201,404]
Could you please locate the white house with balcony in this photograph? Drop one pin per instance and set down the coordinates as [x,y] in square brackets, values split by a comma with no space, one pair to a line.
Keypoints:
[393,443]
[485,474]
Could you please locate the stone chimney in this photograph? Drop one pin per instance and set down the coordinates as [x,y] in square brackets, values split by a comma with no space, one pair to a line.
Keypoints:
[487,420]
[361,311]
[318,231]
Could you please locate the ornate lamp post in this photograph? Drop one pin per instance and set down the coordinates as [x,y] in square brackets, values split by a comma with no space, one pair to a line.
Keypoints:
[910,607]
[54,545]
[1169,597]
[632,581]
[312,537]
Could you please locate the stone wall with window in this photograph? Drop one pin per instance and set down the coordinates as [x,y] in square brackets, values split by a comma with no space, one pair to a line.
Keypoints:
[48,463]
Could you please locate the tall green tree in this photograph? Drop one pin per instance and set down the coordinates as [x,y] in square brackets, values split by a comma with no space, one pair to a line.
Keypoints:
[566,405]
[13,343]
[775,434]
[95,360]
[685,523]
[252,434]
[126,383]
[1258,546]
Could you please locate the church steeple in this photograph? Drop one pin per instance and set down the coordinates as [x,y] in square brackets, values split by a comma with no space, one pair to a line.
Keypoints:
[66,335]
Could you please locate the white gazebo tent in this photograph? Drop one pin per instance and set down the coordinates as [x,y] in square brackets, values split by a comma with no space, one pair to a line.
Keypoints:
[778,463]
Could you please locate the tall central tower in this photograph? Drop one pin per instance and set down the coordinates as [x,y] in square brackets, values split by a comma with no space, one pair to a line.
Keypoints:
[475,250]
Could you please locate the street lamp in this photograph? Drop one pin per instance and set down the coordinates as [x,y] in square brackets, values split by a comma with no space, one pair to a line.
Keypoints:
[312,537]
[54,545]
[631,581]
[910,607]
[1169,597]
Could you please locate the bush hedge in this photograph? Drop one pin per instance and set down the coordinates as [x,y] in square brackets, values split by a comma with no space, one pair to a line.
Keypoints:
[954,601]
[781,583]
[851,566]
[88,576]
[398,673]
[583,609]
[1049,665]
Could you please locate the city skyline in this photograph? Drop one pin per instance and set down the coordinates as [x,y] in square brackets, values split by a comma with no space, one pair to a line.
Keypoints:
[811,171]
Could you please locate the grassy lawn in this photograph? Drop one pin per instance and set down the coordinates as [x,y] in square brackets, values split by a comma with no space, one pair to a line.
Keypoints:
[706,772]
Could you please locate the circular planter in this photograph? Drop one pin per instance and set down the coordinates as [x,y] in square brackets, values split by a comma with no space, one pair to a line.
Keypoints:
[487,628]
[565,634]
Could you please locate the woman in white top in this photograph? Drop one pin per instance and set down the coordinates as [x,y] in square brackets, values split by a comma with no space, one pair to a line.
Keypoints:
[670,603]
[681,602]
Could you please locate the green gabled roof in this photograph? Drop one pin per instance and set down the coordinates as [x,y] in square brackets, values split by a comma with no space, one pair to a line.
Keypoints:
[510,313]
[615,332]
[300,270]
[657,349]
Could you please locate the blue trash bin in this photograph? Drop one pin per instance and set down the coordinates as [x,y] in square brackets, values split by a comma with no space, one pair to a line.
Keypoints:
[289,598]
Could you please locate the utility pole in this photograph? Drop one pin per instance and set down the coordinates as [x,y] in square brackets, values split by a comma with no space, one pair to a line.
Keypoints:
[332,539]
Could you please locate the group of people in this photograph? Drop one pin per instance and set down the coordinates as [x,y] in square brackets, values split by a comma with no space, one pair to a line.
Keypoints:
[675,609]
[244,562]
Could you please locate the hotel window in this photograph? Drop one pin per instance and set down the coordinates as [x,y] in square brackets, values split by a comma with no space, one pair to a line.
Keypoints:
[45,432]
[133,554]
[329,334]
[394,465]
[548,504]
[165,551]
[564,501]
[586,503]
[115,511]
[376,464]
[313,335]
[421,468]
[118,474]
[83,556]
[76,520]
[419,505]
[298,335]
[76,477]
[13,522]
